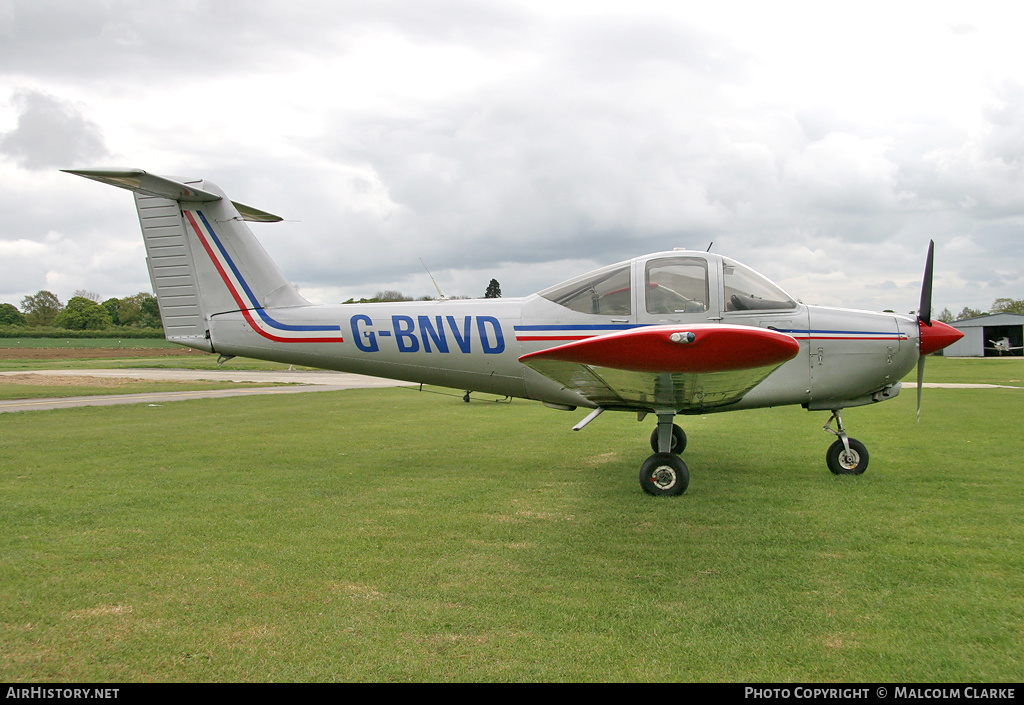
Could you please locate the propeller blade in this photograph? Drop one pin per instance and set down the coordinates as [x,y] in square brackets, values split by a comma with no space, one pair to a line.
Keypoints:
[920,383]
[924,311]
[924,316]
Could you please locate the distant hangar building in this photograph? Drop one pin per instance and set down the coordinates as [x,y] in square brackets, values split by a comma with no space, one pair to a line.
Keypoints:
[981,334]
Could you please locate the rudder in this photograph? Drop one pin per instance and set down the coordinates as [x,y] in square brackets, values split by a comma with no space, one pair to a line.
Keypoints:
[172,272]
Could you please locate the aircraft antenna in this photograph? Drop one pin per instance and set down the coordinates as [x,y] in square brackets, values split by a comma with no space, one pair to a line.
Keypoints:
[709,246]
[437,286]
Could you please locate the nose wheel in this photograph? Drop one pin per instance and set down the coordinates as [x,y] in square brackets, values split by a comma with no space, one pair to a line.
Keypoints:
[846,456]
[847,462]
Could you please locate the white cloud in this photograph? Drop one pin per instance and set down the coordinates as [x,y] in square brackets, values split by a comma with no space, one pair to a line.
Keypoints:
[820,145]
[50,133]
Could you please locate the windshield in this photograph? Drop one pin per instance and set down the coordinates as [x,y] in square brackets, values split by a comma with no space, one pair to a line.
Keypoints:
[746,290]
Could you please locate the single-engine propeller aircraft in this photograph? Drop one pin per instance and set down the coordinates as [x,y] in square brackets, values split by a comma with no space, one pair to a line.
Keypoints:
[1003,346]
[677,332]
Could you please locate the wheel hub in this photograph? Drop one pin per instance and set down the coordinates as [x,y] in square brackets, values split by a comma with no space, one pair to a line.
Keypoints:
[663,477]
[850,459]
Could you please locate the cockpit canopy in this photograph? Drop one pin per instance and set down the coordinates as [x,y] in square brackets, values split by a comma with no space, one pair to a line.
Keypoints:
[673,284]
[607,291]
[746,290]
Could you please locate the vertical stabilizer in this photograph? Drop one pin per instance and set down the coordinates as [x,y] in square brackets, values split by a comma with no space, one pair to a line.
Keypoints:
[203,260]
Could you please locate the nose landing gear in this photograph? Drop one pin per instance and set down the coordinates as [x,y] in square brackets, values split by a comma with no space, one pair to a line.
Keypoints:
[846,456]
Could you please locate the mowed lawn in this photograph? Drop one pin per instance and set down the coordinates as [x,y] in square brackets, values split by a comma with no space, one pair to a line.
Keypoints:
[391,535]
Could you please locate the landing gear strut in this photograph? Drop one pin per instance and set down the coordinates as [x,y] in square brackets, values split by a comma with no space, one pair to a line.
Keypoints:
[665,473]
[847,456]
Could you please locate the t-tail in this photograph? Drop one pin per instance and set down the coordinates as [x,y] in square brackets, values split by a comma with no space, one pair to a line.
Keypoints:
[203,260]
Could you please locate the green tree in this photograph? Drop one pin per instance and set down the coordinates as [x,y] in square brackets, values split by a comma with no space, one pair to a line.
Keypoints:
[11,316]
[946,316]
[83,314]
[493,290]
[150,310]
[1008,306]
[968,313]
[129,311]
[140,310]
[111,306]
[41,308]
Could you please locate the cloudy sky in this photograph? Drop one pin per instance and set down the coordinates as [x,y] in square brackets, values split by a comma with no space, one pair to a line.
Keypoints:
[823,144]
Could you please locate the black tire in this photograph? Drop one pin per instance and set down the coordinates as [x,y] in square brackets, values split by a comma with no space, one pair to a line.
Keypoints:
[841,464]
[664,474]
[678,439]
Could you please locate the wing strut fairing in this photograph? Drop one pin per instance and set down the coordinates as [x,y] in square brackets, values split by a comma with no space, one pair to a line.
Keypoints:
[686,368]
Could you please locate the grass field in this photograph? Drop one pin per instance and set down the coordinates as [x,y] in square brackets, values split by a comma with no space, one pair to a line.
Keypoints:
[30,387]
[965,370]
[29,343]
[91,353]
[95,353]
[374,535]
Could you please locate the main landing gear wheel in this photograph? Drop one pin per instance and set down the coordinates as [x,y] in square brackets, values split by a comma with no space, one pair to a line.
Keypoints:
[841,462]
[664,474]
[678,439]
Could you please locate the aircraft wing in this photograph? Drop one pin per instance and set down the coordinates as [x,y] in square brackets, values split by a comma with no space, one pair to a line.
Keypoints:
[675,366]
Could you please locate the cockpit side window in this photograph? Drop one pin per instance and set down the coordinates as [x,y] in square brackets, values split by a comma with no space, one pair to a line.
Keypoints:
[746,290]
[606,292]
[677,285]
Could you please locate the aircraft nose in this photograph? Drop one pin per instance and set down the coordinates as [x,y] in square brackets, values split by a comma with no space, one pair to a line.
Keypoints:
[937,336]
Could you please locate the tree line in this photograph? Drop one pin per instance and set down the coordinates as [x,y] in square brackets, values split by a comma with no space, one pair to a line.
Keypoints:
[493,292]
[1000,305]
[83,311]
[87,311]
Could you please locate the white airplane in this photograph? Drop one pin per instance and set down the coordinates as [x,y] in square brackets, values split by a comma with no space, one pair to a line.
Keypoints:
[1003,346]
[676,332]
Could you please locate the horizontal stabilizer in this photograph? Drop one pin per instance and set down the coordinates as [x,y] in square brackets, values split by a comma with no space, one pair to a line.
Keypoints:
[148,184]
